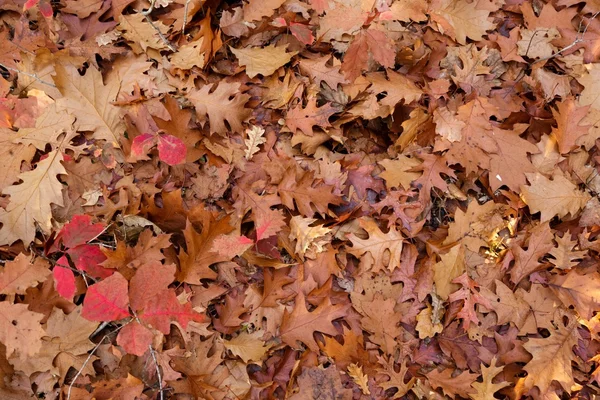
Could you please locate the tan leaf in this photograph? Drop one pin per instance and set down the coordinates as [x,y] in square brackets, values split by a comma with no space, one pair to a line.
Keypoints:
[89,100]
[255,10]
[486,389]
[398,172]
[140,34]
[20,274]
[450,266]
[264,61]
[21,330]
[225,103]
[30,201]
[49,128]
[557,197]
[384,248]
[307,236]
[460,19]
[396,379]
[248,346]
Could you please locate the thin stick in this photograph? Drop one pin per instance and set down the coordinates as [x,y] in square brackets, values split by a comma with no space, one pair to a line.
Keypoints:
[160,386]
[87,360]
[34,76]
[578,39]
[185,13]
[149,11]
[163,38]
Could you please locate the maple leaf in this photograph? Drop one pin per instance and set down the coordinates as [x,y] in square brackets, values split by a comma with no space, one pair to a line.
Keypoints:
[300,325]
[65,281]
[171,149]
[20,274]
[384,248]
[224,103]
[86,98]
[552,358]
[556,197]
[78,231]
[264,61]
[30,201]
[305,118]
[107,300]
[149,280]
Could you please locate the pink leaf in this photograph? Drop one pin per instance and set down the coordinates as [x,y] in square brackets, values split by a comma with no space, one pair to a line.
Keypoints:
[88,258]
[107,300]
[142,144]
[135,338]
[302,33]
[171,149]
[65,281]
[231,245]
[30,4]
[149,280]
[165,308]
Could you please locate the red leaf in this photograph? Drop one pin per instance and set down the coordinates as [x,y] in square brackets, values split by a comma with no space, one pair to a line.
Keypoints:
[302,33]
[64,280]
[88,258]
[135,338]
[142,144]
[107,300]
[149,280]
[164,308]
[79,231]
[171,149]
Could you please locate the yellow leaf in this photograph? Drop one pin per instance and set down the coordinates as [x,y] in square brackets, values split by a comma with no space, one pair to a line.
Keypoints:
[264,61]
[30,201]
[359,377]
[306,235]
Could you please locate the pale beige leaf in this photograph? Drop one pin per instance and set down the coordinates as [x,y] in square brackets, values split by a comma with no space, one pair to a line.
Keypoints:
[307,236]
[255,10]
[451,265]
[89,100]
[486,389]
[190,55]
[398,172]
[264,61]
[20,330]
[20,274]
[52,127]
[255,139]
[460,19]
[30,201]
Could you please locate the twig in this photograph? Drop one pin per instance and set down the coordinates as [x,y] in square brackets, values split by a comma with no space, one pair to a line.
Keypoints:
[578,39]
[185,13]
[160,386]
[34,76]
[163,38]
[87,360]
[149,10]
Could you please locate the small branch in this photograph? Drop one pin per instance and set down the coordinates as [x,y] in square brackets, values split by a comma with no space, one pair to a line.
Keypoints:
[162,37]
[87,360]
[578,39]
[160,386]
[185,16]
[34,76]
[149,11]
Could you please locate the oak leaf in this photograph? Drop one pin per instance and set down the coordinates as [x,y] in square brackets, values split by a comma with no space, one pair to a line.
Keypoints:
[20,274]
[298,186]
[384,248]
[255,10]
[224,103]
[264,61]
[135,338]
[526,261]
[396,379]
[306,236]
[255,138]
[460,19]
[165,308]
[30,201]
[486,389]
[580,291]
[141,34]
[552,358]
[21,330]
[556,197]
[300,325]
[319,71]
[316,381]
[309,116]
[359,377]
[89,100]
[248,346]
[570,127]
[452,386]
